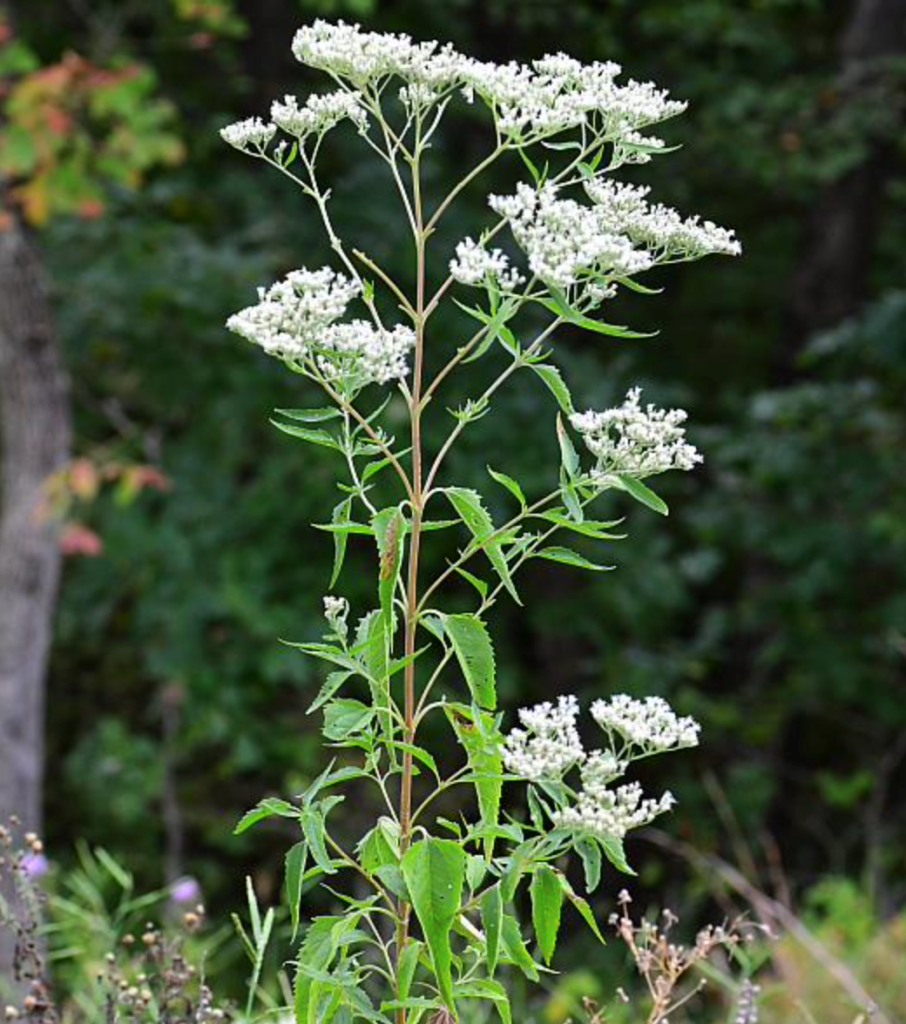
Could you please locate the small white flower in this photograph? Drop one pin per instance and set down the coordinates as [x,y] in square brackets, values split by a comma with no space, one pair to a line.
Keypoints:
[635,441]
[611,813]
[251,132]
[296,319]
[336,611]
[650,725]
[319,113]
[625,209]
[474,265]
[549,745]
[566,242]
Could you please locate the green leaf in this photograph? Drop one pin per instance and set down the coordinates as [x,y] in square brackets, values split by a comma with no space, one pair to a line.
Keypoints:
[389,529]
[578,319]
[475,654]
[320,437]
[332,684]
[557,385]
[641,493]
[312,822]
[310,415]
[267,808]
[490,990]
[614,852]
[434,870]
[569,458]
[547,908]
[590,853]
[477,583]
[515,948]
[581,905]
[477,732]
[344,718]
[341,515]
[569,557]
[318,950]
[510,484]
[295,873]
[380,846]
[470,509]
[492,922]
[407,966]
[419,753]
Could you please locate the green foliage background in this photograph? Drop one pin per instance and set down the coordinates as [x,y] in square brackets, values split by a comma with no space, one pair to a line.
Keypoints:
[772,606]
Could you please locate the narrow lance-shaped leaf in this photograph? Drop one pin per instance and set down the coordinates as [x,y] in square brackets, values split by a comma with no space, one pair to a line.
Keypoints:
[641,493]
[295,872]
[434,870]
[475,516]
[477,732]
[475,654]
[341,515]
[492,922]
[547,907]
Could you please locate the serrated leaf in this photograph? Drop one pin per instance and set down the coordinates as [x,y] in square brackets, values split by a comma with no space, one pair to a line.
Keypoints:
[346,717]
[389,529]
[434,871]
[553,378]
[569,557]
[313,436]
[408,963]
[477,732]
[267,808]
[489,990]
[313,829]
[473,649]
[581,905]
[510,484]
[515,948]
[332,684]
[578,319]
[547,909]
[614,852]
[476,517]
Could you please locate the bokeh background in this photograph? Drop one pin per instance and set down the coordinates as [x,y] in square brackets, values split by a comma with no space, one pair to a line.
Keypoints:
[771,605]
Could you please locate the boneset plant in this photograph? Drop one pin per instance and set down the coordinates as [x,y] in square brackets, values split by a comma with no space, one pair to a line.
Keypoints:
[440,919]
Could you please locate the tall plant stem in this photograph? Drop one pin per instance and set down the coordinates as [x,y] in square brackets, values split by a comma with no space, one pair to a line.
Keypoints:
[417,501]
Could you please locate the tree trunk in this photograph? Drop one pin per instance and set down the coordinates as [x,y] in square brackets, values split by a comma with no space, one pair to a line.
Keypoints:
[832,275]
[34,443]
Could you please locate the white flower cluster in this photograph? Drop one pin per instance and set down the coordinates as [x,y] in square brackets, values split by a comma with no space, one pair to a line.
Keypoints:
[611,813]
[529,102]
[557,93]
[624,209]
[635,441]
[474,264]
[346,51]
[296,319]
[650,725]
[251,132]
[566,241]
[319,113]
[549,745]
[336,611]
